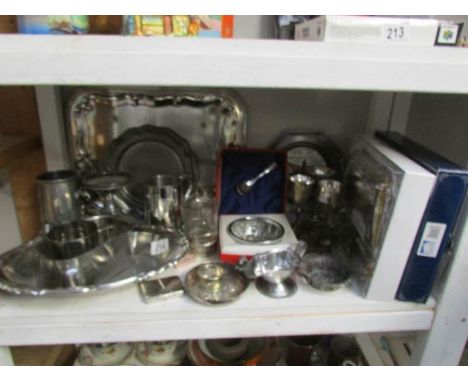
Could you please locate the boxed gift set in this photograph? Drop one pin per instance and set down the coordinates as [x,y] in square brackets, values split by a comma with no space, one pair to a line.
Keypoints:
[251,188]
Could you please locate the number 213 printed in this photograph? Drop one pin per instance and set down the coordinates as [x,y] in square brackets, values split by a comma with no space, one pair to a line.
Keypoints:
[395,33]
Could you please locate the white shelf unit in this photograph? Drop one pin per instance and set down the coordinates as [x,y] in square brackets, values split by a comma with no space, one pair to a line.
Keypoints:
[140,61]
[120,315]
[270,65]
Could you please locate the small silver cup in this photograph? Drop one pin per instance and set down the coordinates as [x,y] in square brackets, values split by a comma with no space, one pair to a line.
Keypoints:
[301,187]
[58,197]
[329,191]
[163,202]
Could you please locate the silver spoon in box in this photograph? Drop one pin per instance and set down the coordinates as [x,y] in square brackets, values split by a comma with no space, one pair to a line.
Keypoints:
[246,186]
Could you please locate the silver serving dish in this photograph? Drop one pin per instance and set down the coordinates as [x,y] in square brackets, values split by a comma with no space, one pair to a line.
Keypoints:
[123,259]
[273,270]
[206,119]
[215,284]
[256,230]
[325,272]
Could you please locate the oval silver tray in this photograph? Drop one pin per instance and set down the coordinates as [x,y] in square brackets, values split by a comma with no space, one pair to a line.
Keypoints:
[124,259]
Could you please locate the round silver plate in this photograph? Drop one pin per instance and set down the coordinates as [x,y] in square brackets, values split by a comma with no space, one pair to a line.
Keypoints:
[256,230]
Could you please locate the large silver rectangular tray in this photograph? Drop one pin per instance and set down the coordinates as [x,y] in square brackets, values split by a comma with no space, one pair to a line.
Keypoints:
[207,120]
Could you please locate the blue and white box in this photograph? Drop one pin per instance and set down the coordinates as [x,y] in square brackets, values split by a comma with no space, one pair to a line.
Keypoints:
[439,221]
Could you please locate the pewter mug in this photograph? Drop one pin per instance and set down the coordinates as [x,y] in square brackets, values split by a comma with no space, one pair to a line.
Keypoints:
[58,197]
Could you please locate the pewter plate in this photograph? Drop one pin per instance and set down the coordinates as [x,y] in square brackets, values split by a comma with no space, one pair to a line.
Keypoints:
[307,151]
[206,119]
[122,260]
[143,152]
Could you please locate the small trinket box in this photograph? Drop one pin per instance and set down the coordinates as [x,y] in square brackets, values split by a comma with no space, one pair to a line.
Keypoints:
[160,289]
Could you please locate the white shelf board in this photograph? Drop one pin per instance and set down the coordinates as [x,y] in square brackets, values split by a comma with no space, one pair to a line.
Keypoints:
[120,315]
[144,61]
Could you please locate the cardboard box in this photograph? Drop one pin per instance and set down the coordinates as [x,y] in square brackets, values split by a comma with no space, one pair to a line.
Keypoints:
[369,29]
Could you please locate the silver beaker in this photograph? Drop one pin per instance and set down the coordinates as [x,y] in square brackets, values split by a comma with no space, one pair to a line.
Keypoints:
[58,197]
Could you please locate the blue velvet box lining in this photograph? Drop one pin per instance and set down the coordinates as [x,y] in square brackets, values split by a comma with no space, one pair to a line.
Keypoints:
[267,195]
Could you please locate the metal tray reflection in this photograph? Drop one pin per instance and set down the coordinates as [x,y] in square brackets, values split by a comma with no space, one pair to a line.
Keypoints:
[126,258]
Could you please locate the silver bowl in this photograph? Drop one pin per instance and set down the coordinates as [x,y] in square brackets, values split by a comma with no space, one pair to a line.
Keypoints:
[273,271]
[324,272]
[215,284]
[256,230]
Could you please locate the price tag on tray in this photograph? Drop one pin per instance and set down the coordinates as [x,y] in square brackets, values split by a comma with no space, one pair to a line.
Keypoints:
[159,246]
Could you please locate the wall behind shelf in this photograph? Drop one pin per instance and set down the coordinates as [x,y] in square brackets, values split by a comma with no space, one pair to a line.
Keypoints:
[340,115]
[440,122]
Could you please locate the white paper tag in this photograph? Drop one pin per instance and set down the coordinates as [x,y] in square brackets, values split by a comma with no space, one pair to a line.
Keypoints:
[396,32]
[431,239]
[159,246]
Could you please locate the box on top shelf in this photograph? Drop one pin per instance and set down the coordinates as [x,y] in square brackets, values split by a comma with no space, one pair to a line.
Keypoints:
[180,25]
[137,25]
[369,29]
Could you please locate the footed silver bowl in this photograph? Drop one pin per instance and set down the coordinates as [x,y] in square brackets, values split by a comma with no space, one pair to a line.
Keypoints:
[256,230]
[273,270]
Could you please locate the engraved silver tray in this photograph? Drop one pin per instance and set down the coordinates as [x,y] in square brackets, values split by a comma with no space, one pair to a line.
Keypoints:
[207,120]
